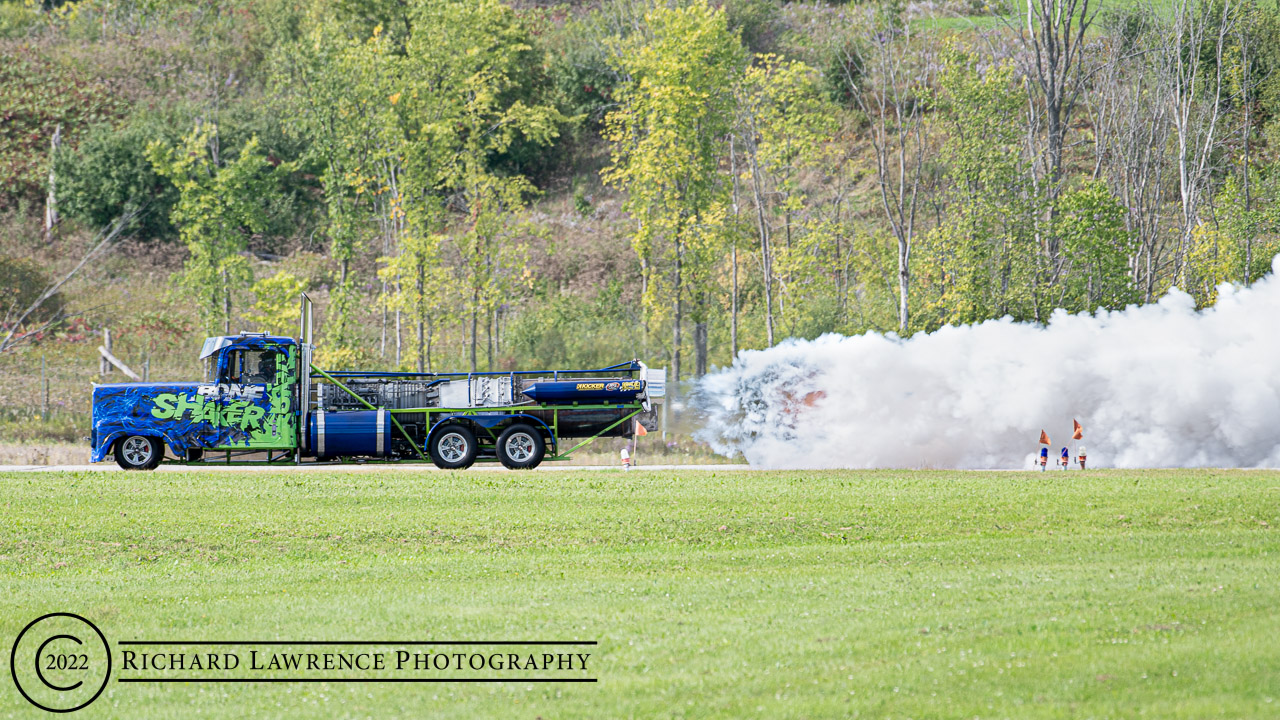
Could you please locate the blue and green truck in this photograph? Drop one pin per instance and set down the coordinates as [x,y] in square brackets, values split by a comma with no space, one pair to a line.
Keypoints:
[263,400]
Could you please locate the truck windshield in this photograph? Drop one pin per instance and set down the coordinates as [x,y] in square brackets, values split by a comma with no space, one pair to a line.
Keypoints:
[211,369]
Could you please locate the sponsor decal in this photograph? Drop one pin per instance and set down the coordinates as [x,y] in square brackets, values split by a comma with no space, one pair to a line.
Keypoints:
[232,390]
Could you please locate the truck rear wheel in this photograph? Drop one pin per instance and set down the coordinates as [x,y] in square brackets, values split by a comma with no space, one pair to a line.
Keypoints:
[138,452]
[453,447]
[521,447]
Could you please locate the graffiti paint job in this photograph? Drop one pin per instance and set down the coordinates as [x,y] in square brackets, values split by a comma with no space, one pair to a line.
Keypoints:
[188,416]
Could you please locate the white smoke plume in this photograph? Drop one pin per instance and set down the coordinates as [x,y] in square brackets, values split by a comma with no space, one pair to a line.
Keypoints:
[1160,385]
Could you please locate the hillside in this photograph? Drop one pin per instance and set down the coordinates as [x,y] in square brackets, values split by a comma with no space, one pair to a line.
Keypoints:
[483,185]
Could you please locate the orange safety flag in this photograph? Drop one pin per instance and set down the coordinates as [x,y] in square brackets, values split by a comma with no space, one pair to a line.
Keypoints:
[1079,433]
[640,431]
[1044,438]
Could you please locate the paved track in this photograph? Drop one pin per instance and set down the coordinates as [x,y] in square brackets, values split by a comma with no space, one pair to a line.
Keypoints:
[346,467]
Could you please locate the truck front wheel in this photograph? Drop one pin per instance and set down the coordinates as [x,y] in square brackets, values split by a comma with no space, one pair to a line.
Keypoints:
[138,452]
[453,448]
[521,447]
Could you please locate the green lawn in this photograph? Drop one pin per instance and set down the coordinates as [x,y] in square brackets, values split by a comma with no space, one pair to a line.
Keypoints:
[712,594]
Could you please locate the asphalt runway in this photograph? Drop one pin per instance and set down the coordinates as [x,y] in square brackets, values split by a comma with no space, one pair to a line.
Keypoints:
[349,467]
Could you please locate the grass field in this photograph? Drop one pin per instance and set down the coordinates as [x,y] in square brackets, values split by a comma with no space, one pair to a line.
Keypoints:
[712,594]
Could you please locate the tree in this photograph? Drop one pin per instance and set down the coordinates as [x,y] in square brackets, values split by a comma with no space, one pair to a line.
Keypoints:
[341,95]
[38,95]
[1054,34]
[217,209]
[1132,127]
[464,60]
[275,304]
[1192,64]
[668,139]
[979,261]
[420,284]
[108,174]
[782,124]
[1096,248]
[889,82]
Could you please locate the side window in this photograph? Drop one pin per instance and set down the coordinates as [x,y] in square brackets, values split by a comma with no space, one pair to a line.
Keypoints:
[252,367]
[260,366]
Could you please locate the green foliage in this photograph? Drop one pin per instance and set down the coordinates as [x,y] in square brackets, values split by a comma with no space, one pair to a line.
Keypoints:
[1096,249]
[784,124]
[757,22]
[578,68]
[275,305]
[1252,227]
[17,20]
[581,200]
[217,208]
[842,66]
[109,174]
[573,332]
[332,355]
[419,286]
[463,96]
[464,64]
[668,139]
[443,139]
[979,263]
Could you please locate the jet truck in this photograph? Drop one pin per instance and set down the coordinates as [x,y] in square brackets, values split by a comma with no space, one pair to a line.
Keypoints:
[263,400]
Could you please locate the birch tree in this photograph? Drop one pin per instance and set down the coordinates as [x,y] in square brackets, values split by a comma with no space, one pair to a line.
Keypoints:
[1196,105]
[889,82]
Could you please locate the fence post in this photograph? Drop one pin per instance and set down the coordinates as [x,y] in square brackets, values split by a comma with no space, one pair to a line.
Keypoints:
[44,387]
[104,367]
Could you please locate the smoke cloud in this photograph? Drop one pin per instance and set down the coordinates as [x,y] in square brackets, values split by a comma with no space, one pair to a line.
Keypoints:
[1160,385]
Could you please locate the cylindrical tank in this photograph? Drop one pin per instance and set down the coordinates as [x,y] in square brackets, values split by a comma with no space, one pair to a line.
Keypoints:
[350,433]
[587,390]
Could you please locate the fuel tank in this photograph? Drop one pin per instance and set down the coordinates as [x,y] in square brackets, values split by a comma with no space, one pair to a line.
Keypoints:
[365,433]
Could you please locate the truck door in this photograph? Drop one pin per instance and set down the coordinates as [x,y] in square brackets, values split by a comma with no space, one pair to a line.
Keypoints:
[255,397]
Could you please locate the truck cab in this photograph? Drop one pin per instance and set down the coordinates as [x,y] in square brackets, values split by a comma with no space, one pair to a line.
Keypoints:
[247,402]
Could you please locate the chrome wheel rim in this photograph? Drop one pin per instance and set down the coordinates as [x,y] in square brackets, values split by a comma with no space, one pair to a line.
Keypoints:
[453,447]
[520,447]
[137,450]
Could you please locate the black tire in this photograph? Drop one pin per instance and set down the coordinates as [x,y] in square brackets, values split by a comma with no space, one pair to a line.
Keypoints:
[521,447]
[453,447]
[139,452]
